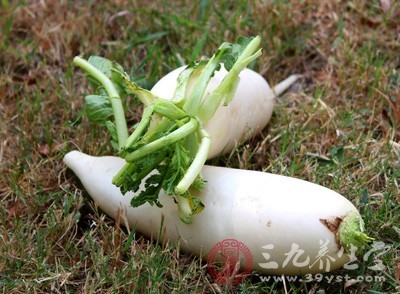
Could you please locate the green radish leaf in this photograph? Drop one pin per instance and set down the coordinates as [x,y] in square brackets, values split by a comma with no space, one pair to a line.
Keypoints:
[243,41]
[98,108]
[231,56]
[110,68]
[229,61]
[150,194]
[152,188]
[177,167]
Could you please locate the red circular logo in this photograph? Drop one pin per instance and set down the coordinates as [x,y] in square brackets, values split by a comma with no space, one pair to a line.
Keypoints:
[229,262]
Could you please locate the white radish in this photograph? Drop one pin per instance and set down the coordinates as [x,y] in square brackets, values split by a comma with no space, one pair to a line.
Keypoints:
[244,117]
[268,213]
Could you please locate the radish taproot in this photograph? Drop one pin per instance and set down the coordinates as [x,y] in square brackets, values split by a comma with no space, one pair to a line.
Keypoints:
[271,214]
[245,116]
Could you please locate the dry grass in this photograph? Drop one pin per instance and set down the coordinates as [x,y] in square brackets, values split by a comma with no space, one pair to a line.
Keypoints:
[339,127]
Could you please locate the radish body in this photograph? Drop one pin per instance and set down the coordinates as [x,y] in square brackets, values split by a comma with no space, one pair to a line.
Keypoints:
[256,208]
[247,114]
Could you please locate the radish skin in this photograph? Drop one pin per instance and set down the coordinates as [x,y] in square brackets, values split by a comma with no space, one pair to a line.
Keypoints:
[246,115]
[256,208]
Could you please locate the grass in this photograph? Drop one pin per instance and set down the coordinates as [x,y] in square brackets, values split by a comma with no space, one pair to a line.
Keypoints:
[339,127]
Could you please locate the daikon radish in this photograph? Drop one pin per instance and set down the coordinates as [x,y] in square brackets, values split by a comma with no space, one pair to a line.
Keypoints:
[245,116]
[271,214]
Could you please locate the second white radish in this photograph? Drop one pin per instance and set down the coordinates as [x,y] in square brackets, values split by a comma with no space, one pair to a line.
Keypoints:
[245,116]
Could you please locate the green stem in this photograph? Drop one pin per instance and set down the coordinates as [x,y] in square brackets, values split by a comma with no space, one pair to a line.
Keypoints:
[143,125]
[145,96]
[197,164]
[180,90]
[130,168]
[351,233]
[169,139]
[227,89]
[149,168]
[192,104]
[185,211]
[119,178]
[158,125]
[118,110]
[168,110]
